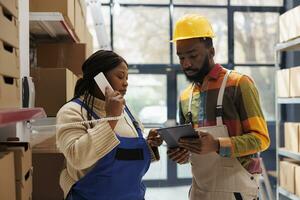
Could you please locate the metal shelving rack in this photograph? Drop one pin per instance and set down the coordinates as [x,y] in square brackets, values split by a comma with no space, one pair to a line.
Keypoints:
[281,152]
[50,26]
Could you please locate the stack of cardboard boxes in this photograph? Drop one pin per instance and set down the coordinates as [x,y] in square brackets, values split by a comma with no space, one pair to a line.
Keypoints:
[289,25]
[289,29]
[58,67]
[9,55]
[288,79]
[59,64]
[15,157]
[15,171]
[290,176]
[289,169]
[292,137]
[287,82]
[74,12]
[7,174]
[54,84]
[288,86]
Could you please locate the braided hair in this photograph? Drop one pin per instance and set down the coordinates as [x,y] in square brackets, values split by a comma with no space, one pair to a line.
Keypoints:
[100,61]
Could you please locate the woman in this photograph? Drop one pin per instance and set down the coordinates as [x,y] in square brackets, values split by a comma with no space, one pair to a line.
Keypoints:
[105,160]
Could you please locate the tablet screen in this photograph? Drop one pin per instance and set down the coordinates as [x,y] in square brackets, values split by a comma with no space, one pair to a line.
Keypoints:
[171,135]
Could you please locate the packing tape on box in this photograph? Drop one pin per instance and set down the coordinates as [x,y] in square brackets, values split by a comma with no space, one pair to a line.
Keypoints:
[74,123]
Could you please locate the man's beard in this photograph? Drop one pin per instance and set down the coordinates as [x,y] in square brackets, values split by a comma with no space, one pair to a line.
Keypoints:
[199,76]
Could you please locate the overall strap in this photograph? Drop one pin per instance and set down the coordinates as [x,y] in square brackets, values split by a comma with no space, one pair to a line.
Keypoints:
[219,108]
[78,101]
[135,123]
[191,98]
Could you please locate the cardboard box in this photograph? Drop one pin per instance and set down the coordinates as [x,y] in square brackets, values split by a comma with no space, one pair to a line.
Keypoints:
[89,43]
[294,82]
[9,60]
[23,157]
[62,55]
[9,92]
[283,83]
[47,145]
[287,176]
[53,88]
[66,7]
[9,31]
[12,6]
[7,174]
[47,169]
[291,136]
[289,25]
[24,187]
[297,180]
[80,24]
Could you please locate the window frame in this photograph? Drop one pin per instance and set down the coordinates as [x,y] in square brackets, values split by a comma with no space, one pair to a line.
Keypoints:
[171,70]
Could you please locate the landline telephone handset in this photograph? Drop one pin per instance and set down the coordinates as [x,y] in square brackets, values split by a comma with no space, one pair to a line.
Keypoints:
[102,82]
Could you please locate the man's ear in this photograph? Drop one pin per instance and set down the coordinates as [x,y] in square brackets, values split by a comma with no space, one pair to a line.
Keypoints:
[211,52]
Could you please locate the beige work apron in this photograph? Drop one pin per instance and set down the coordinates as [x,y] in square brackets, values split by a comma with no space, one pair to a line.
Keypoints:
[221,178]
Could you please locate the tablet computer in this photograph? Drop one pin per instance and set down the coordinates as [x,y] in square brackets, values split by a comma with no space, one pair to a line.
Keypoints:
[171,135]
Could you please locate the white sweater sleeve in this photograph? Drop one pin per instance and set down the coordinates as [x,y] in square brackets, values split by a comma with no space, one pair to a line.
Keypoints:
[82,146]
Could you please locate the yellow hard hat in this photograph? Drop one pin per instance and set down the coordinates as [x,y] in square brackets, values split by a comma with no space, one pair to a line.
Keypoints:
[192,26]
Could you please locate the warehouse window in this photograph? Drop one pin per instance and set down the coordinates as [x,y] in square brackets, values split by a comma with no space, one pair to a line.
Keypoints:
[106,16]
[264,78]
[184,171]
[182,83]
[141,34]
[257,2]
[201,2]
[144,1]
[255,35]
[141,30]
[158,170]
[146,96]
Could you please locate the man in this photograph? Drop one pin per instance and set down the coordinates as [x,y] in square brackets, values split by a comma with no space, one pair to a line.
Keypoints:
[224,108]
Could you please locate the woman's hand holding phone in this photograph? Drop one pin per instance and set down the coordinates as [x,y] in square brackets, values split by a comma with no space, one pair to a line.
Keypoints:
[114,103]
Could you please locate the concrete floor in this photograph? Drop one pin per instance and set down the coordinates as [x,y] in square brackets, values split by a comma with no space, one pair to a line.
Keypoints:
[174,193]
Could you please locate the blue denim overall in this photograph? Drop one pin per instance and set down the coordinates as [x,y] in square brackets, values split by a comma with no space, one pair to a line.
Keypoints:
[118,175]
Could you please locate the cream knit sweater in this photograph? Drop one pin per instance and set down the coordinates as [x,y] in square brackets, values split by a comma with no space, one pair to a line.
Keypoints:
[83,146]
